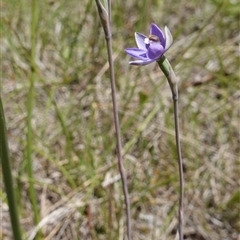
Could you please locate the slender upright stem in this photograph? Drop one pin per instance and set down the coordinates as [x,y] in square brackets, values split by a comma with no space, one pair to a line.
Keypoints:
[7,176]
[180,165]
[30,104]
[119,144]
[105,20]
[171,77]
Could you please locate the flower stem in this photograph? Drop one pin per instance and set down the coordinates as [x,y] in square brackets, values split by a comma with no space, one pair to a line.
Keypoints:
[171,77]
[7,176]
[105,20]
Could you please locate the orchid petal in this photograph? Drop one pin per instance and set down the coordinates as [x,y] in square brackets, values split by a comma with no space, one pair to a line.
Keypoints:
[155,51]
[141,62]
[155,30]
[139,37]
[150,49]
[169,38]
[136,53]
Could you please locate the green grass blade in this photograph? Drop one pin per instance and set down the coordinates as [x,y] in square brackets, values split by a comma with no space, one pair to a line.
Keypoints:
[30,104]
[7,176]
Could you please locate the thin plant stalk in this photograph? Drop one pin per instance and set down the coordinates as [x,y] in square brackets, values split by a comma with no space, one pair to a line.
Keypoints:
[105,20]
[7,176]
[171,77]
[30,104]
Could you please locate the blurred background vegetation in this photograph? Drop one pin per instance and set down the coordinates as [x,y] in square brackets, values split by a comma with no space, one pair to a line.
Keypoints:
[76,179]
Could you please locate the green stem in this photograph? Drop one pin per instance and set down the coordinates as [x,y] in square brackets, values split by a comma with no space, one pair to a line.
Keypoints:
[171,77]
[7,176]
[30,104]
[67,133]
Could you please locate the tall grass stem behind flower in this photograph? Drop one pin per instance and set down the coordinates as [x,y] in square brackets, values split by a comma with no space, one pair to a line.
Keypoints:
[152,49]
[105,20]
[30,104]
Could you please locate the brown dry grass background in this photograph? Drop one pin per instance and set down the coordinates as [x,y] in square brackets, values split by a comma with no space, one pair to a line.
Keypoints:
[77,181]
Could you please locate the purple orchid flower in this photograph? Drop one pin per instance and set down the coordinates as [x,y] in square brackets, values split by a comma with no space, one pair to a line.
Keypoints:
[151,48]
